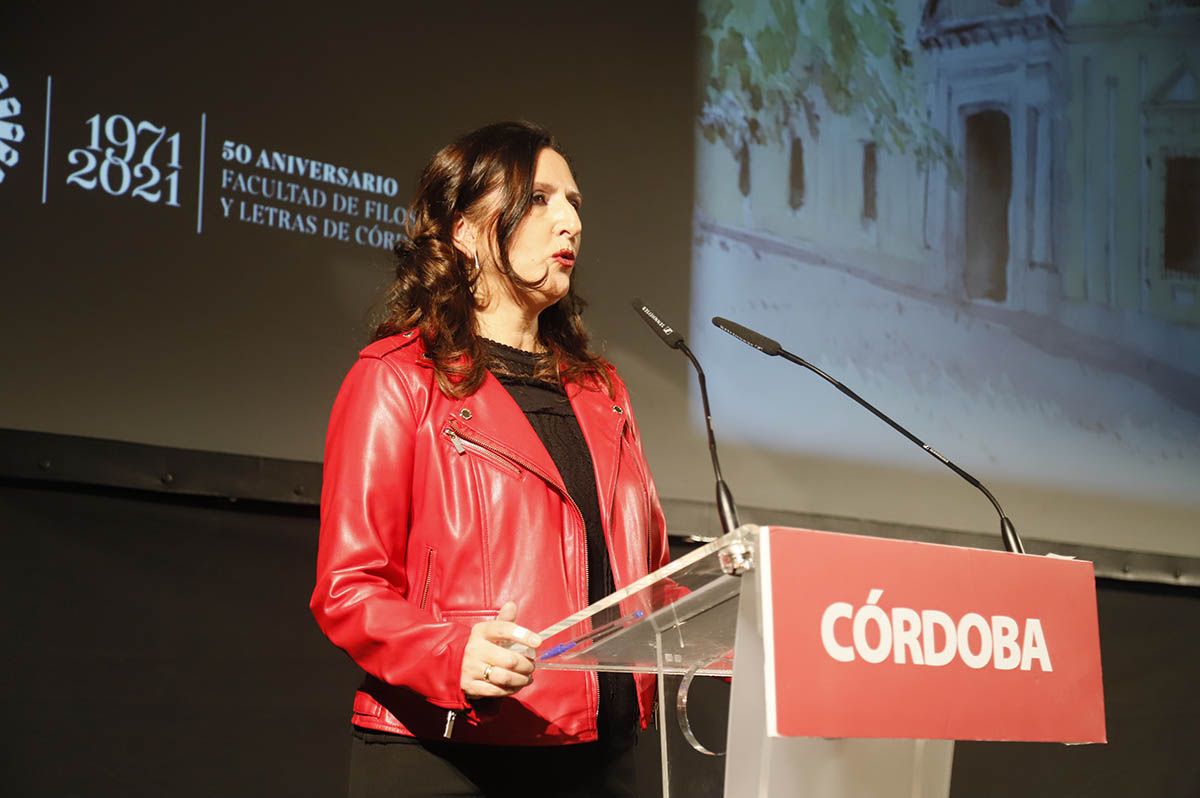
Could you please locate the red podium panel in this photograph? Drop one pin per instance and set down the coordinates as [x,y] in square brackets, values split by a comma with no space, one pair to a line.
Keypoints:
[868,637]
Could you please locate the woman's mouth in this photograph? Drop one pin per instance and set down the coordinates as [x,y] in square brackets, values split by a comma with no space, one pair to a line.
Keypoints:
[565,258]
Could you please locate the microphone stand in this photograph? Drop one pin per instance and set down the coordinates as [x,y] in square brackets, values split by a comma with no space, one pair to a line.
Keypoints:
[725,506]
[726,509]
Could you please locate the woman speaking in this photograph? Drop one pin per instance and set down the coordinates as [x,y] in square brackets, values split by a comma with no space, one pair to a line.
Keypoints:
[483,478]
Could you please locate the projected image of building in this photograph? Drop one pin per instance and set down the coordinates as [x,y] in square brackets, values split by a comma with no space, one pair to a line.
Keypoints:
[1001,182]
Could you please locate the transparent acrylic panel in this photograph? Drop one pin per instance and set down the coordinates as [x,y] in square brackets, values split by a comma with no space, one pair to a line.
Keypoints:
[686,611]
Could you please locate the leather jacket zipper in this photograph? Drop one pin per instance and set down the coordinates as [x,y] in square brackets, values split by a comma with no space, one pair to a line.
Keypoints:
[428,576]
[482,452]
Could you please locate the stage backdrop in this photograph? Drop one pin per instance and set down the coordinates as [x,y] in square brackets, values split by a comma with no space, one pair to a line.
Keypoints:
[978,214]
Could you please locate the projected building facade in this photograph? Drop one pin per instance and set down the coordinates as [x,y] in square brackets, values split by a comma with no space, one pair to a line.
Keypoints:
[968,205]
[1074,130]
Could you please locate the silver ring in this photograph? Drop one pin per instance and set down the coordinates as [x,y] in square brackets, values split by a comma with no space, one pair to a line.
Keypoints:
[487,671]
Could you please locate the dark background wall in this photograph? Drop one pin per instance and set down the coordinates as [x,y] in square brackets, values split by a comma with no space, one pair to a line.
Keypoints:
[163,647]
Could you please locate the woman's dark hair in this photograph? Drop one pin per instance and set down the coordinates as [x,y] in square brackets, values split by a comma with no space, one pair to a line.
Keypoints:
[434,286]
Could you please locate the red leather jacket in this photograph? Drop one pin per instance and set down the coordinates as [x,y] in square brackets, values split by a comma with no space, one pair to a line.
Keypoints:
[435,511]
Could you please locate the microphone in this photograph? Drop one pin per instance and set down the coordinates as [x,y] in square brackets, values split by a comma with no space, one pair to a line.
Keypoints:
[671,337]
[667,333]
[768,346]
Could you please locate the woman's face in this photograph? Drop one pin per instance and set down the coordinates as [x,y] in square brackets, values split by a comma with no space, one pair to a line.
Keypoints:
[546,242]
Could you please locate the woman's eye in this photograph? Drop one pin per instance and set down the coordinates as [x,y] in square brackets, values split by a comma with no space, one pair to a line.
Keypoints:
[539,198]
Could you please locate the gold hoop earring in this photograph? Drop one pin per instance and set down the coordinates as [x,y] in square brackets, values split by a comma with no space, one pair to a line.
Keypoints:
[475,273]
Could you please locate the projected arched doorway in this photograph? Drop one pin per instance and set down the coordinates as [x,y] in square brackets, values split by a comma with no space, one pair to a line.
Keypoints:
[988,190]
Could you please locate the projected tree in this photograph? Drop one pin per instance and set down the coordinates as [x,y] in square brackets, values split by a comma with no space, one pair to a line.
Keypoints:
[766,63]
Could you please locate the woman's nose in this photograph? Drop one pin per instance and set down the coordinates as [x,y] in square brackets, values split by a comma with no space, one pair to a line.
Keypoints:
[568,220]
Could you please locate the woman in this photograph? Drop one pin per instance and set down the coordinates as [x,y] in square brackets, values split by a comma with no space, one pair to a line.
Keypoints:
[482,468]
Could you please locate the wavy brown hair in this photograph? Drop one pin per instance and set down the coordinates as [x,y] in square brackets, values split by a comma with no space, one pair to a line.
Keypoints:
[487,176]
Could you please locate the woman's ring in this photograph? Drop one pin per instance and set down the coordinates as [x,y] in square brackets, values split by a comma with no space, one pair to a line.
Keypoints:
[487,671]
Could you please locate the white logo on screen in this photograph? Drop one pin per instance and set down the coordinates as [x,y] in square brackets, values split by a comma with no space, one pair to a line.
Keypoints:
[10,132]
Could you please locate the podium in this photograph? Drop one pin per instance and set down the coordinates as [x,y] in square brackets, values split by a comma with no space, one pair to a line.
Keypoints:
[856,661]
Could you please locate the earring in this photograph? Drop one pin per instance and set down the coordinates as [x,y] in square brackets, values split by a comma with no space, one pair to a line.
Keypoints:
[475,273]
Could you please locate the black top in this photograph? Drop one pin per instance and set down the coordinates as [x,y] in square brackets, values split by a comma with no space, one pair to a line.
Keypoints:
[549,411]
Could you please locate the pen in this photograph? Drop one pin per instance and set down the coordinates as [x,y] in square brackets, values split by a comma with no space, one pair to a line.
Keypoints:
[592,635]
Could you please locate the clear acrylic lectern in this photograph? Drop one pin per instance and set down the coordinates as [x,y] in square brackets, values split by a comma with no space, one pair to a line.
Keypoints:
[685,620]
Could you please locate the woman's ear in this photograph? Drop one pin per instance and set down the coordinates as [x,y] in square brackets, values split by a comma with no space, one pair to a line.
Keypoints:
[465,236]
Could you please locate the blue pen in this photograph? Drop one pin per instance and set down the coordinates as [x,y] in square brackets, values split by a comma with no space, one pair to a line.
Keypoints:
[560,648]
[612,626]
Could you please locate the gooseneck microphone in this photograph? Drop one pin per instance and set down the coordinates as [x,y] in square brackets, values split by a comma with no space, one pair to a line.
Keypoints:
[768,346]
[671,337]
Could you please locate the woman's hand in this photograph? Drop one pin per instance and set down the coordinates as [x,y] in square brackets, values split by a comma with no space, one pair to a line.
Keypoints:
[489,668]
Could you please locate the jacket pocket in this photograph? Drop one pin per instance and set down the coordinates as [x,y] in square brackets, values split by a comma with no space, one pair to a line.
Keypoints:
[469,617]
[426,584]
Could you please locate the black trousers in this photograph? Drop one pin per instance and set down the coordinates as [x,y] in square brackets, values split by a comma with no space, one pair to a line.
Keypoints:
[402,767]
